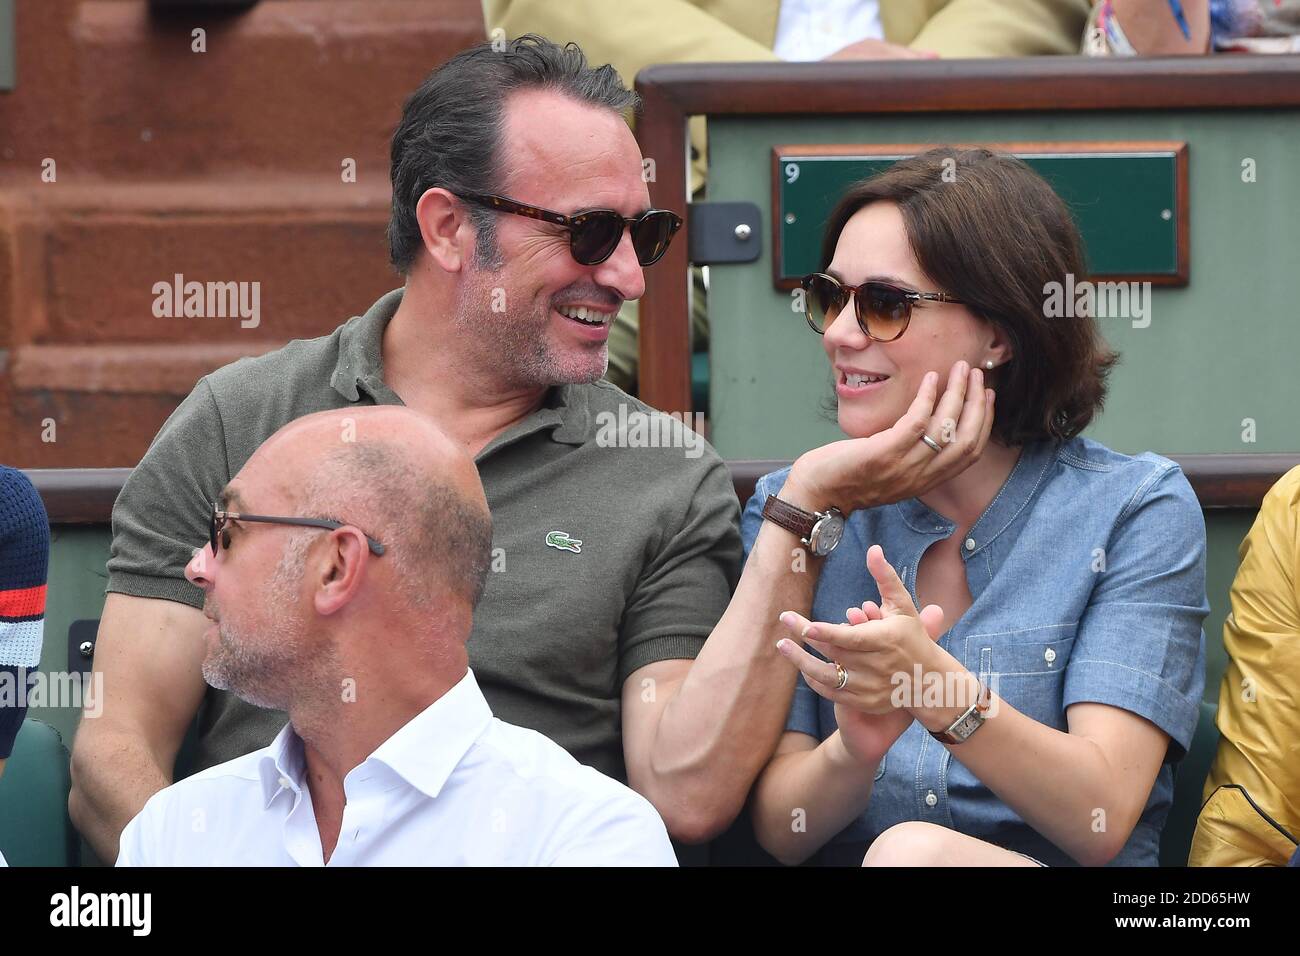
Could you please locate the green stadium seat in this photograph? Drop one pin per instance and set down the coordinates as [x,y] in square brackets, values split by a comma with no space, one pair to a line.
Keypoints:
[700,383]
[34,825]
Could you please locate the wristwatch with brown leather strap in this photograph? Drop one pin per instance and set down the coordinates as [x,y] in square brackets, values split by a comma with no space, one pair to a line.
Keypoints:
[971,720]
[819,531]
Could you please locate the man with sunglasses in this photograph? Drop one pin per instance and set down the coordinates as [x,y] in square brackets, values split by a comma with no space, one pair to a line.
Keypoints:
[521,223]
[355,626]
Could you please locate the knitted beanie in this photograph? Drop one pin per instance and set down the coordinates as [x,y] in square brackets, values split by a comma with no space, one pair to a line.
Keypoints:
[24,564]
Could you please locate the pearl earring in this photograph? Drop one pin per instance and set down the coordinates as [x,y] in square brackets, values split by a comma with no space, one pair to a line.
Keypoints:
[989,365]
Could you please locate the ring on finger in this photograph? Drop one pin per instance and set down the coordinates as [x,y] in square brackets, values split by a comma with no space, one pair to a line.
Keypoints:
[934,445]
[842,676]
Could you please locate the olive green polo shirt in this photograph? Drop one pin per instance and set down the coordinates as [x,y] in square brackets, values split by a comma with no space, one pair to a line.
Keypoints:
[615,535]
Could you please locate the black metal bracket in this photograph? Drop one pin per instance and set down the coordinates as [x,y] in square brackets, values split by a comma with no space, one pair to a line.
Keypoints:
[81,646]
[724,232]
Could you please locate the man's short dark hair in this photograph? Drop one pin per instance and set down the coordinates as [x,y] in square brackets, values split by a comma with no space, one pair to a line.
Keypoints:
[450,133]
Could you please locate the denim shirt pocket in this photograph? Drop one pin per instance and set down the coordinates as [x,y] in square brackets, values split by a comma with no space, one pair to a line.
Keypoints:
[1026,668]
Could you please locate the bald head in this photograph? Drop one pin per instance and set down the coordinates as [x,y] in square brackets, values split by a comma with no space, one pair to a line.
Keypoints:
[298,448]
[397,476]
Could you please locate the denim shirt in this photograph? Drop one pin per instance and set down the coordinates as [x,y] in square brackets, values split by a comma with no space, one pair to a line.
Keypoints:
[1087,574]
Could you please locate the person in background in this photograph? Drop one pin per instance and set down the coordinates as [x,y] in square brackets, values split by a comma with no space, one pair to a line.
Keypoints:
[1033,708]
[356,627]
[1147,28]
[1255,26]
[633,34]
[1251,815]
[24,565]
[1179,27]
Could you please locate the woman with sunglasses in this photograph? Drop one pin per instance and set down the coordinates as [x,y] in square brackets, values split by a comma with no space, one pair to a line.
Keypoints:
[1031,712]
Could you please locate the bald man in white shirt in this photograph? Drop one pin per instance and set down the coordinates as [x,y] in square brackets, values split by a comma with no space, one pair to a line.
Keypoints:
[346,559]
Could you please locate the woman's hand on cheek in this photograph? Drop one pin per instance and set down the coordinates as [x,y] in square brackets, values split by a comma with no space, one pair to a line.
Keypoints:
[896,463]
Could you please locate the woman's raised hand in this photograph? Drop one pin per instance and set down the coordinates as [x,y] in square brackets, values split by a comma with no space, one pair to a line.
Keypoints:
[877,644]
[868,737]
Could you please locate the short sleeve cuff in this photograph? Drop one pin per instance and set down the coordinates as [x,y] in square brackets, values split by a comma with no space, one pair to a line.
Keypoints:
[668,648]
[1108,682]
[153,586]
[751,517]
[803,712]
[14,681]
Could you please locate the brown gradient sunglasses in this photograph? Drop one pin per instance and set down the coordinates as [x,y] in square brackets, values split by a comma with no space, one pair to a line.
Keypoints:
[883,310]
[219,519]
[595,234]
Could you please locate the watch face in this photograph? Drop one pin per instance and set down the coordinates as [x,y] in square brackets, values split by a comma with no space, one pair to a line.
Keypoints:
[968,726]
[826,533]
[964,729]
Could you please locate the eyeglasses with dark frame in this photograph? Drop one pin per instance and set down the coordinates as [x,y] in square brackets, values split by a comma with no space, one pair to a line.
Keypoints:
[596,233]
[883,310]
[219,519]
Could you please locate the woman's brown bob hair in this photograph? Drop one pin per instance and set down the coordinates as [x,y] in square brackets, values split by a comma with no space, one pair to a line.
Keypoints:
[989,230]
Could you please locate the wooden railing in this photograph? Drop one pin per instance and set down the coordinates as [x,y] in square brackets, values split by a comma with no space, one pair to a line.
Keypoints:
[77,496]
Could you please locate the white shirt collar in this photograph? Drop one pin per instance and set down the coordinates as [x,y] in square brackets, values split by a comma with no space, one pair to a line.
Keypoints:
[423,752]
[453,787]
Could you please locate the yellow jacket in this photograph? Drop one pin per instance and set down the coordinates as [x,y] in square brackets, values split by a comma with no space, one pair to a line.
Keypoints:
[632,34]
[1253,791]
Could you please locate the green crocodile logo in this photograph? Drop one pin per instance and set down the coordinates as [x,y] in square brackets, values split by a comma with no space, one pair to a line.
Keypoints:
[561,540]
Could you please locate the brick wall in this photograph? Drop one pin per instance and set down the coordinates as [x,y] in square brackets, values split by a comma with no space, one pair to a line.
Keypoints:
[220,166]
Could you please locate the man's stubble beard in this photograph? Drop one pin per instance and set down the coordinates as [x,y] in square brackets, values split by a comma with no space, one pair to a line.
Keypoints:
[277,668]
[515,346]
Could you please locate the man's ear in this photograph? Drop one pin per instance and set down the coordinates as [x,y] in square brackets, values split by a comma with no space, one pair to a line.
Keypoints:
[444,228]
[340,572]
